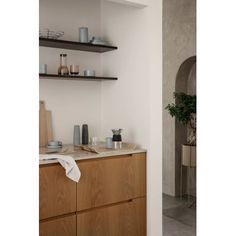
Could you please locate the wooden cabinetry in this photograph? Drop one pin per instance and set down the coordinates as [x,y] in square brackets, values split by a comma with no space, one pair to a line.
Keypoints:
[110,180]
[56,192]
[124,219]
[109,199]
[65,226]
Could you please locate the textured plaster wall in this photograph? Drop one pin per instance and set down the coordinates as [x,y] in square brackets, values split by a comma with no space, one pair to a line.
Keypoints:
[179,43]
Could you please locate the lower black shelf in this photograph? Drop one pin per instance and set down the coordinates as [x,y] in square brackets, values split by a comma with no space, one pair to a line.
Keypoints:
[75,78]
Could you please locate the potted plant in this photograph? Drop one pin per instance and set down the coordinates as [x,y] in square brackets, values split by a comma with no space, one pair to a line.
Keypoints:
[184,110]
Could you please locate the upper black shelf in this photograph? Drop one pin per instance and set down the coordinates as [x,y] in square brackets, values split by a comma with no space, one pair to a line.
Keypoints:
[55,43]
[74,77]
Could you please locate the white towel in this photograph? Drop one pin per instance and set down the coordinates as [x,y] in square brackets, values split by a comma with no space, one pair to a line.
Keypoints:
[68,163]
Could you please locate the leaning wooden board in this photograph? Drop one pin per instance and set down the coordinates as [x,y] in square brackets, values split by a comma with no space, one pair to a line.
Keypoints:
[45,125]
[49,126]
[42,125]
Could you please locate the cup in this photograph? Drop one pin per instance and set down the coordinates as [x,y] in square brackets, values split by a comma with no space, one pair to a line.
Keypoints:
[83,35]
[89,73]
[109,143]
[94,141]
[74,69]
[54,143]
[43,68]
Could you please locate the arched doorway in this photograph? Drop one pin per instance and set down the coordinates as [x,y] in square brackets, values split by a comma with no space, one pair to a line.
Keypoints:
[185,82]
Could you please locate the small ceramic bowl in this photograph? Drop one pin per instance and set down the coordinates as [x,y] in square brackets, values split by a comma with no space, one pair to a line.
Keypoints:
[89,73]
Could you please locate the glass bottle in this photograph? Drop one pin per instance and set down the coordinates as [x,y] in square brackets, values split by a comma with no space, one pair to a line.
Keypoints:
[63,69]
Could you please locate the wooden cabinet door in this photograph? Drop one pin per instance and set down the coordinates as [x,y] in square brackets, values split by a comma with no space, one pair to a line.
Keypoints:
[57,193]
[65,226]
[111,180]
[124,219]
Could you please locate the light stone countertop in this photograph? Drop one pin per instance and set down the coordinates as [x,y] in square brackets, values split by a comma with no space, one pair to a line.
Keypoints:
[79,154]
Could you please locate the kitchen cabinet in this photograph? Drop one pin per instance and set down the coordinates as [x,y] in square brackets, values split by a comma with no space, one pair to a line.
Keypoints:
[111,180]
[109,199]
[124,219]
[65,226]
[56,192]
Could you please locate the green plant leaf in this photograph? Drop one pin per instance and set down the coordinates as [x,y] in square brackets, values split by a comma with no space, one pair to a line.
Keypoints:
[184,107]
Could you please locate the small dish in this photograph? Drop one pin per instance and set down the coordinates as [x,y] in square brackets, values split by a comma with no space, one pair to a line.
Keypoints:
[98,41]
[53,147]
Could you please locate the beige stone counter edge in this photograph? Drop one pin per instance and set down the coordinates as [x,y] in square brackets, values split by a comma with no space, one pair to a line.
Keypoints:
[88,155]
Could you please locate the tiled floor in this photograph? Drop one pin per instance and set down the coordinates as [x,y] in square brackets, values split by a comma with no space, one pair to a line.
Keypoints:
[178,218]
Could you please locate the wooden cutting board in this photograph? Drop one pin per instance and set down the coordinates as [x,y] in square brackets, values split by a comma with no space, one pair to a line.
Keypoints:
[45,125]
[49,126]
[43,140]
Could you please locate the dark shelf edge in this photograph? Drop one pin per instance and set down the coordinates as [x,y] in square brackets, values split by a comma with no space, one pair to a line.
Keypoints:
[72,45]
[75,78]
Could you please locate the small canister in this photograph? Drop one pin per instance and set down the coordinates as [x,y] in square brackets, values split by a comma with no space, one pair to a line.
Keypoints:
[117,145]
[88,72]
[109,143]
[43,68]
[83,35]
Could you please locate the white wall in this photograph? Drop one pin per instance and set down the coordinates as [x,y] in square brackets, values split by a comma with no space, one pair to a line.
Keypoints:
[134,102]
[124,104]
[71,102]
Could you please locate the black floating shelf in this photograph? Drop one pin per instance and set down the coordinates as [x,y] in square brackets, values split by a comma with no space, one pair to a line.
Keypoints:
[75,78]
[55,43]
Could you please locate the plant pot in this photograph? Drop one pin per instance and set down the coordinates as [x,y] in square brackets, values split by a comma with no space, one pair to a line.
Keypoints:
[189,155]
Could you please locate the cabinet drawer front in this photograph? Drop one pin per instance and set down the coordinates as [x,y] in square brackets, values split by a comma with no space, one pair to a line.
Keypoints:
[110,180]
[125,219]
[65,226]
[57,193]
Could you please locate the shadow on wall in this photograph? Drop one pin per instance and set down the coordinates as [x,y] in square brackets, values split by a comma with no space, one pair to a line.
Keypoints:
[185,82]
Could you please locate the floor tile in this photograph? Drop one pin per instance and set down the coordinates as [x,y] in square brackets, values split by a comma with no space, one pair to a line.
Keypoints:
[178,219]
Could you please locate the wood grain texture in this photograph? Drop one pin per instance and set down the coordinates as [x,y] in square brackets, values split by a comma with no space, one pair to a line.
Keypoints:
[139,160]
[42,125]
[105,181]
[65,226]
[57,193]
[49,126]
[125,219]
